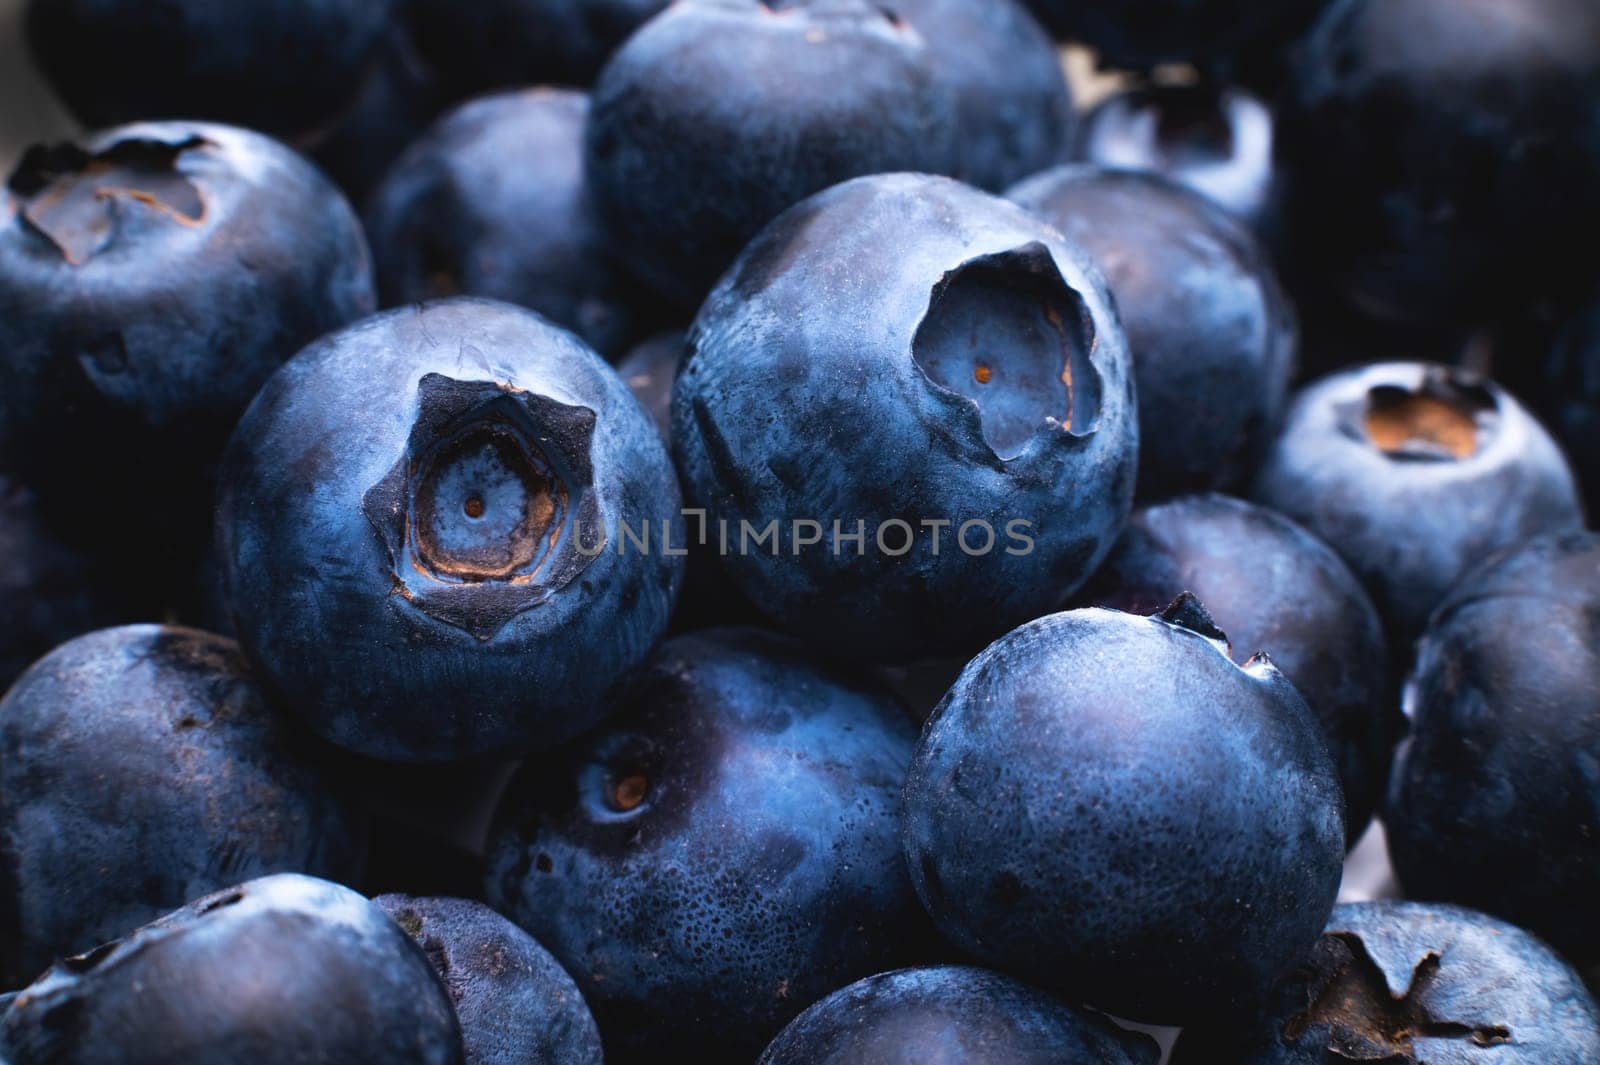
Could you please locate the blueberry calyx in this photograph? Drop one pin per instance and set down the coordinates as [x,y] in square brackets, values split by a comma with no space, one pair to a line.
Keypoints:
[1446,418]
[490,510]
[1186,612]
[74,198]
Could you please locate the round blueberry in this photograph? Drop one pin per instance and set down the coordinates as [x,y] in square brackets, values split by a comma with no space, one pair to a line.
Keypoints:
[1408,982]
[491,202]
[1211,333]
[912,361]
[421,522]
[722,854]
[516,1004]
[1414,473]
[719,114]
[278,971]
[141,767]
[1105,803]
[953,1015]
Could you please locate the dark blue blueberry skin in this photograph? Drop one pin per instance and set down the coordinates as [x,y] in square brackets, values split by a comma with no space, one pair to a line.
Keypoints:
[421,521]
[283,66]
[1415,984]
[904,348]
[719,114]
[1106,804]
[492,44]
[1217,142]
[1014,106]
[1415,473]
[1502,766]
[1212,334]
[284,970]
[1271,586]
[1139,34]
[516,1004]
[491,202]
[1443,156]
[720,855]
[141,767]
[953,1015]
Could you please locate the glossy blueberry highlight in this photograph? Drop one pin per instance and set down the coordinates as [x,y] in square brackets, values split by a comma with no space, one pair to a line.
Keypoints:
[278,971]
[141,767]
[516,1005]
[1415,473]
[491,202]
[492,44]
[899,352]
[1211,333]
[420,523]
[1271,586]
[719,114]
[735,834]
[954,1015]
[1107,805]
[1502,766]
[1411,983]
[283,66]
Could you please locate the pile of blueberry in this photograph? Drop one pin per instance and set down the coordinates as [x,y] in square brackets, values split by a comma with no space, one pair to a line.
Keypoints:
[734,531]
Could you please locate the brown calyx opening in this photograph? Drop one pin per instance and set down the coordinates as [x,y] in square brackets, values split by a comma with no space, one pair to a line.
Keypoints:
[1403,423]
[628,792]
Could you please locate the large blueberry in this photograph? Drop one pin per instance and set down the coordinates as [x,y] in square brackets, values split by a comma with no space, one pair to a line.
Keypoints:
[1415,473]
[908,361]
[285,970]
[1139,34]
[1501,770]
[141,767]
[722,854]
[516,1004]
[719,114]
[1211,333]
[1105,803]
[1443,156]
[285,66]
[1412,984]
[952,1015]
[1271,586]
[422,521]
[491,202]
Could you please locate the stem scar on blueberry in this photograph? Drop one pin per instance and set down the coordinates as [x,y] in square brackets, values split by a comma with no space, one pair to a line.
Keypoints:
[1445,418]
[473,507]
[624,794]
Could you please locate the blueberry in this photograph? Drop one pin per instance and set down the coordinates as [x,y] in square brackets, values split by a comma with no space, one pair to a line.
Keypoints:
[421,522]
[1106,804]
[722,854]
[1502,766]
[283,66]
[1211,333]
[1407,982]
[952,1015]
[1443,156]
[909,360]
[1217,142]
[516,1005]
[1271,586]
[141,767]
[282,970]
[1140,34]
[719,114]
[1414,473]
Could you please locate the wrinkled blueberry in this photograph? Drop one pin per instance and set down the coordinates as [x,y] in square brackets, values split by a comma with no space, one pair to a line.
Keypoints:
[1104,803]
[284,970]
[1271,586]
[1138,34]
[719,114]
[1415,473]
[909,360]
[516,1005]
[141,767]
[951,1015]
[1413,984]
[722,854]
[1211,333]
[491,202]
[421,522]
